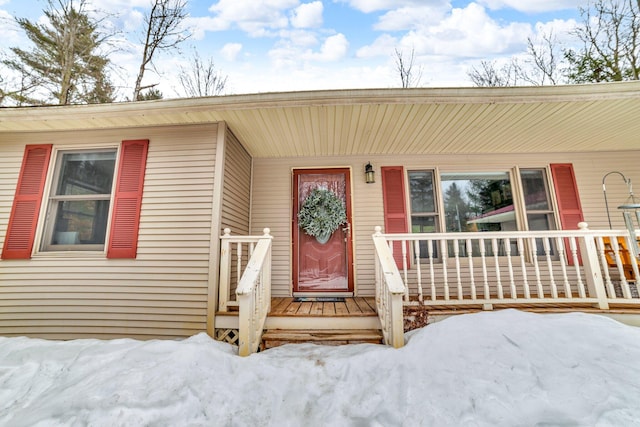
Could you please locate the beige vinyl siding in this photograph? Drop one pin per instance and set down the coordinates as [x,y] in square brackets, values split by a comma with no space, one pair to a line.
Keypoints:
[161,293]
[236,191]
[236,195]
[271,196]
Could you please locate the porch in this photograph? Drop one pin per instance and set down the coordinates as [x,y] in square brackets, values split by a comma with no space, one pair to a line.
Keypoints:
[421,277]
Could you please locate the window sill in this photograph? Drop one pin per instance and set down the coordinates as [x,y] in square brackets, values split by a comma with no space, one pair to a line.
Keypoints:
[70,255]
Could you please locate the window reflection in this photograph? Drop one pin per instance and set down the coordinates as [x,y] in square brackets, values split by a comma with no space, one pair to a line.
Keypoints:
[478,201]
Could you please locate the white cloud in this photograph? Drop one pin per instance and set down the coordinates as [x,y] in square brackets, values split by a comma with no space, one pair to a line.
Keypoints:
[200,25]
[291,55]
[334,48]
[382,46]
[230,51]
[532,6]
[368,6]
[412,16]
[307,15]
[256,17]
[299,37]
[468,33]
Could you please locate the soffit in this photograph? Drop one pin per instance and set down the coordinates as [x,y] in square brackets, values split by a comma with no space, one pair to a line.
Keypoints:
[599,117]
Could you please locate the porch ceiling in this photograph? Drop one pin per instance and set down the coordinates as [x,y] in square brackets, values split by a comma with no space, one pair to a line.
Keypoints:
[596,117]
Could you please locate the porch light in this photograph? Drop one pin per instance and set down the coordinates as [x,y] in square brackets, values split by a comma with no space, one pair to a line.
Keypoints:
[369,174]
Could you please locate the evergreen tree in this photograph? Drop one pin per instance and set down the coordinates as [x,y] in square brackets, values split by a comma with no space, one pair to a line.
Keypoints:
[456,209]
[65,65]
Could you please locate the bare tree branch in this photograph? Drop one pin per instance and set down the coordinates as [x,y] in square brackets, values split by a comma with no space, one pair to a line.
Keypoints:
[405,68]
[201,79]
[163,32]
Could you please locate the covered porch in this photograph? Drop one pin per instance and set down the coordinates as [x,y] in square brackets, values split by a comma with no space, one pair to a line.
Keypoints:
[422,275]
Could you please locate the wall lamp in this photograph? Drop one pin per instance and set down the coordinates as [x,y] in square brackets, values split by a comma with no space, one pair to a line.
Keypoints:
[369,174]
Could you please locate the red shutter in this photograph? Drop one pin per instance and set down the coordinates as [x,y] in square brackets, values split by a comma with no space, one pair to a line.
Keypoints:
[569,207]
[123,237]
[395,210]
[23,220]
[564,182]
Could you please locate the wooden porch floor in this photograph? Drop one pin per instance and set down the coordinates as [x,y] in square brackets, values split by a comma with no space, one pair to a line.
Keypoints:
[351,307]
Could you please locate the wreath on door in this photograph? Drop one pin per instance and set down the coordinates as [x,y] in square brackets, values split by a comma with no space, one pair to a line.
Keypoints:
[321,214]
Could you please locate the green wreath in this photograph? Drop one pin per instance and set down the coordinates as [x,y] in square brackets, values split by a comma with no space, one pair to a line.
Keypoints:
[321,214]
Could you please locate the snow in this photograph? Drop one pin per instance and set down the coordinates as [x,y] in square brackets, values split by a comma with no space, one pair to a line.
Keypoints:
[503,368]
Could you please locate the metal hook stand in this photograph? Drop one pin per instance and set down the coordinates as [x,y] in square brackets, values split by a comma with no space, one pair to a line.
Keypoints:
[630,206]
[604,191]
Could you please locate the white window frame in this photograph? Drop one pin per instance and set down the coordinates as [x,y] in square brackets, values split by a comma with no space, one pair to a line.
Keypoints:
[51,201]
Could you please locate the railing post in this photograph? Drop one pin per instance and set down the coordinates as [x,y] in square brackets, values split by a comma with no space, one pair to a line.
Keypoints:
[390,291]
[589,252]
[397,320]
[225,270]
[244,324]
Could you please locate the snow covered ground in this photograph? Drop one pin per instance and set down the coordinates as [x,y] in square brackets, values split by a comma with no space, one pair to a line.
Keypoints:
[504,368]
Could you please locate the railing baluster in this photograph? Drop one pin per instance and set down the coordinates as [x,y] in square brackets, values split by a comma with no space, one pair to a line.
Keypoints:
[485,278]
[624,285]
[523,267]
[603,262]
[238,262]
[512,283]
[547,254]
[536,266]
[456,256]
[431,270]
[563,267]
[474,295]
[404,269]
[496,258]
[445,251]
[576,263]
[416,250]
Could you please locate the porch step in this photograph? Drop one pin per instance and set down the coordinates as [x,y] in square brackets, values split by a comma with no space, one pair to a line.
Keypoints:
[276,337]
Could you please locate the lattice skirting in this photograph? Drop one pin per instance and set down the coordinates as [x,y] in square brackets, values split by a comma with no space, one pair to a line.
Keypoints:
[228,335]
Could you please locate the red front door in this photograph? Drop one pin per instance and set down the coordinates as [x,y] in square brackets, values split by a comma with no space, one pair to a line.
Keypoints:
[322,267]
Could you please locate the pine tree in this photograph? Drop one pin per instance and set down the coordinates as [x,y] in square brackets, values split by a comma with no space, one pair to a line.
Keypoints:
[65,65]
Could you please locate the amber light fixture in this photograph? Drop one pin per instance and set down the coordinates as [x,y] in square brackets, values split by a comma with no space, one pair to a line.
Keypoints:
[369,174]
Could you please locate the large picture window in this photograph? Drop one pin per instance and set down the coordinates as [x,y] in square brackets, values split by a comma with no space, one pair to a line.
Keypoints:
[79,201]
[478,201]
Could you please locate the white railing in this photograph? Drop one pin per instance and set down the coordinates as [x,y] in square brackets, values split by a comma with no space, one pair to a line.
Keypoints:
[253,290]
[389,293]
[590,267]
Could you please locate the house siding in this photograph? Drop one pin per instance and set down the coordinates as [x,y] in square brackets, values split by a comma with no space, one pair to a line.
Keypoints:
[271,196]
[161,293]
[236,195]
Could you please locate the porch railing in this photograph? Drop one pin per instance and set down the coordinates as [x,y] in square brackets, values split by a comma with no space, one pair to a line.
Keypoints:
[573,267]
[389,292]
[253,290]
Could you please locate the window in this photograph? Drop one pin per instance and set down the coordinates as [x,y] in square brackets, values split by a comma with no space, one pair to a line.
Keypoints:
[86,198]
[79,202]
[478,201]
[536,199]
[424,217]
[538,204]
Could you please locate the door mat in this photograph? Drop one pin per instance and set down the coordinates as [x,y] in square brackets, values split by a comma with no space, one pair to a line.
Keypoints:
[318,299]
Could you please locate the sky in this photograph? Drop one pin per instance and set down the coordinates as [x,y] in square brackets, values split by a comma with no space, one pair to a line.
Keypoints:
[290,45]
[503,368]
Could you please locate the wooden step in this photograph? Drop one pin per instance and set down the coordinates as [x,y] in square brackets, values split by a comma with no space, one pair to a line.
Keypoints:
[276,337]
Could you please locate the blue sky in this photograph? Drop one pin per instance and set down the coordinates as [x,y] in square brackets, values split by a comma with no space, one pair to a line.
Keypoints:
[282,45]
